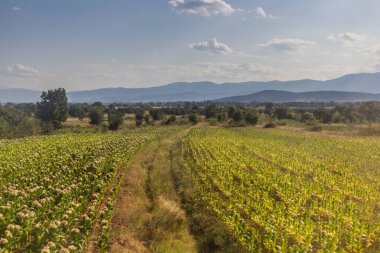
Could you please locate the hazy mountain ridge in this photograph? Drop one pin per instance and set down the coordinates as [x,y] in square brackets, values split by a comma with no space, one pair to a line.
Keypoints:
[311,96]
[199,91]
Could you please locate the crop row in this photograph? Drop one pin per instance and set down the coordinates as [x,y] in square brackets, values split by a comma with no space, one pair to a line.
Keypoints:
[281,191]
[51,188]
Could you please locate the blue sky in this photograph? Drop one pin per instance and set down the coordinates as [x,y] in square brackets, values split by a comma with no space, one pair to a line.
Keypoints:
[139,43]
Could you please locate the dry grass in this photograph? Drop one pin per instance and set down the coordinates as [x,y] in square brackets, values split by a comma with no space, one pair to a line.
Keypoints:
[75,122]
[147,216]
[130,211]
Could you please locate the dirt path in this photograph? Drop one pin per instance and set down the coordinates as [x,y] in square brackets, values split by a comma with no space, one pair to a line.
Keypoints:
[147,216]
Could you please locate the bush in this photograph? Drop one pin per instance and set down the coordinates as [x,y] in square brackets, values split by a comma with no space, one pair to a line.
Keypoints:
[270,125]
[156,114]
[115,119]
[139,117]
[210,111]
[193,119]
[171,120]
[252,117]
[16,123]
[213,122]
[315,128]
[96,115]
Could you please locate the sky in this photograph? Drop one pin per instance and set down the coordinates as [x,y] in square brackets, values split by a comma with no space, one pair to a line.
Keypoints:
[90,44]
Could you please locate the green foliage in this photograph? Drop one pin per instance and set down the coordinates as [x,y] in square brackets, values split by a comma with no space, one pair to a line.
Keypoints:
[16,123]
[115,118]
[281,191]
[269,125]
[78,110]
[210,111]
[156,114]
[52,187]
[370,111]
[282,113]
[96,115]
[147,119]
[251,117]
[171,120]
[237,115]
[269,109]
[139,117]
[315,128]
[193,119]
[308,117]
[222,116]
[53,107]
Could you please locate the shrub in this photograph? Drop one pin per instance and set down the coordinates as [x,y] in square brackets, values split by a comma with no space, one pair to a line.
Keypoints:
[315,128]
[193,119]
[96,115]
[252,117]
[270,125]
[115,119]
[171,120]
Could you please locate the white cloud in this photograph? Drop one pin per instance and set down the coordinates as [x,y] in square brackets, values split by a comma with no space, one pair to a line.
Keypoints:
[212,46]
[262,14]
[287,45]
[346,38]
[20,70]
[202,7]
[16,8]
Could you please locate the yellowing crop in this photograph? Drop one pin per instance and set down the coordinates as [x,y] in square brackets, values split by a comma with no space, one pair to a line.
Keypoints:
[282,191]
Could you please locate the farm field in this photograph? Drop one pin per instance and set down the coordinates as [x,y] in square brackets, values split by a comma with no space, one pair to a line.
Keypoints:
[282,191]
[55,190]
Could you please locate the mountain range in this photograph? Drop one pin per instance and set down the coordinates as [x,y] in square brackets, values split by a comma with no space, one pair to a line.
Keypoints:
[276,96]
[200,91]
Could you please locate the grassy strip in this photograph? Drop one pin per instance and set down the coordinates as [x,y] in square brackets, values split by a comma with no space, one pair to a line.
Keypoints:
[147,216]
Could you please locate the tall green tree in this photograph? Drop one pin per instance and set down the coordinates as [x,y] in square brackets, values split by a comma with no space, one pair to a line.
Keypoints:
[115,118]
[139,117]
[53,109]
[251,117]
[210,111]
[96,115]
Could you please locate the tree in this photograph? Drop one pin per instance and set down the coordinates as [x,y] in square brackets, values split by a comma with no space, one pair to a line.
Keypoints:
[251,117]
[147,119]
[222,116]
[193,118]
[15,122]
[370,111]
[171,120]
[324,115]
[307,117]
[139,117]
[96,115]
[115,118]
[282,113]
[210,111]
[53,107]
[156,114]
[238,115]
[269,108]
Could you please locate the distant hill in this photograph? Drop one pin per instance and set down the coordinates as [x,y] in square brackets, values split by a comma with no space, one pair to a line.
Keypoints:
[19,95]
[312,96]
[199,91]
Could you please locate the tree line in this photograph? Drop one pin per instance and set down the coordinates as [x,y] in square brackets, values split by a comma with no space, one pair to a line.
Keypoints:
[18,120]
